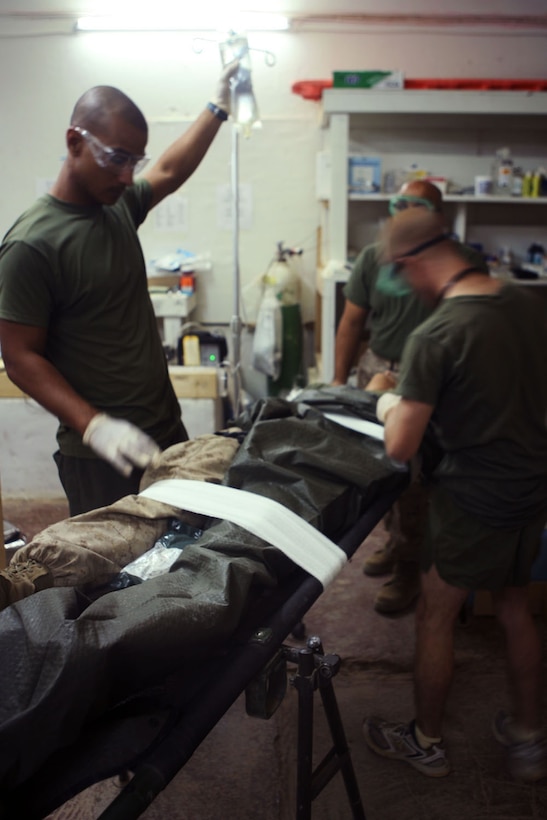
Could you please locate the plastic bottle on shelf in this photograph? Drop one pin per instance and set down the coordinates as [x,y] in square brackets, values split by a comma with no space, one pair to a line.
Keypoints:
[527,184]
[518,182]
[506,257]
[536,183]
[502,172]
[535,254]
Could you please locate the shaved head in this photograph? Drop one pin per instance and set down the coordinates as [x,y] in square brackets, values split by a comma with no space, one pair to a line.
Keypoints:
[425,190]
[96,108]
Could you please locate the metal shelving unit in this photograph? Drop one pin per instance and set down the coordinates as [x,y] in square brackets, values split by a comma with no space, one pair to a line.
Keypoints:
[459,130]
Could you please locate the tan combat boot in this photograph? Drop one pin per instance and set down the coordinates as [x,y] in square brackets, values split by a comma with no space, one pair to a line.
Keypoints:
[401,591]
[381,561]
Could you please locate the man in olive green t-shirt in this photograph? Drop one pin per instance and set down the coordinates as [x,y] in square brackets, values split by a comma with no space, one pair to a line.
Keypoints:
[77,328]
[391,315]
[475,374]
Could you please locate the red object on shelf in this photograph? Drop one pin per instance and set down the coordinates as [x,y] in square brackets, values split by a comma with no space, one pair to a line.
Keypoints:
[469,84]
[313,89]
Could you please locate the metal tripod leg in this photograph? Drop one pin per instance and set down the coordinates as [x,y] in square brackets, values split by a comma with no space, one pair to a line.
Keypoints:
[315,671]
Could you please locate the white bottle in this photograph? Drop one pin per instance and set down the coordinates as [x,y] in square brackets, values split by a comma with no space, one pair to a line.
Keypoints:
[502,173]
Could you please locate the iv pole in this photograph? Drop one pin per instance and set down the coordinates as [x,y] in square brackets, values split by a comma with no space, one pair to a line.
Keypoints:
[236,318]
[236,41]
[240,52]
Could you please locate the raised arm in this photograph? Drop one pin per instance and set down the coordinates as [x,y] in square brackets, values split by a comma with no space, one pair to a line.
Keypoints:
[181,159]
[348,337]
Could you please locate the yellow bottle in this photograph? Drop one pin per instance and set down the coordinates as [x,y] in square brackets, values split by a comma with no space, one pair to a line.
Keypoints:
[536,182]
[527,184]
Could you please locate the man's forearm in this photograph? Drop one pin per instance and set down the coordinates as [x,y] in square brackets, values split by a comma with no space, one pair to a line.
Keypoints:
[405,423]
[346,345]
[37,377]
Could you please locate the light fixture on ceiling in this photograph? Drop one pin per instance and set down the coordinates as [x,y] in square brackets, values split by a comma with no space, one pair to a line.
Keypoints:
[245,21]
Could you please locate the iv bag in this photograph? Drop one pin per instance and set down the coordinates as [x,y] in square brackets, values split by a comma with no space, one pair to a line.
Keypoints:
[244,109]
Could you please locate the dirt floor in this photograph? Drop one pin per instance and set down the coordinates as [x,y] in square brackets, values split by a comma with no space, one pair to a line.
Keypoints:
[246,768]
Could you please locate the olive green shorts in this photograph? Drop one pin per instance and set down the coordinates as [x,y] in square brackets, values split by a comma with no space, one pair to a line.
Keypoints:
[472,555]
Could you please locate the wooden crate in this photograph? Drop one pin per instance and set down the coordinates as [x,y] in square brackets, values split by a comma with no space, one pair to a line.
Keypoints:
[188,382]
[194,382]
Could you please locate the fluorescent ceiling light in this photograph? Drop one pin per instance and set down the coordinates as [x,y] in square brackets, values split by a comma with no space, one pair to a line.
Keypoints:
[243,21]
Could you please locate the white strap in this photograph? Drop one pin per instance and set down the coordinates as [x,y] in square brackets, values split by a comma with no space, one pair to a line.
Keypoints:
[367,428]
[264,517]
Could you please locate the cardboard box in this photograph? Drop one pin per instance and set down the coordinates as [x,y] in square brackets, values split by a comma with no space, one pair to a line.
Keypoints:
[364,174]
[368,79]
[197,382]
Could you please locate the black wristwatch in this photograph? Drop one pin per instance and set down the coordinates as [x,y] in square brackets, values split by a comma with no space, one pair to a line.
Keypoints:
[219,113]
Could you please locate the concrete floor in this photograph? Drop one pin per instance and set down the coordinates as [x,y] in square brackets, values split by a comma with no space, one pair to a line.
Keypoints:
[246,767]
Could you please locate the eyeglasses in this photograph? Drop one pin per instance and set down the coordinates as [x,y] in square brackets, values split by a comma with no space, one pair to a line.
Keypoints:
[403,201]
[115,159]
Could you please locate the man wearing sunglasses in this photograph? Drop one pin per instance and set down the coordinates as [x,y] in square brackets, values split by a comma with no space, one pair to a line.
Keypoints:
[77,328]
[391,312]
[475,374]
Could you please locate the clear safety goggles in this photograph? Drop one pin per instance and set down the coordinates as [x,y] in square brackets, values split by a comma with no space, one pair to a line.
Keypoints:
[401,202]
[115,159]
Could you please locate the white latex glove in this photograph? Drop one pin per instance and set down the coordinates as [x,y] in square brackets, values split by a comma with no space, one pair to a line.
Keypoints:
[120,443]
[385,403]
[223,96]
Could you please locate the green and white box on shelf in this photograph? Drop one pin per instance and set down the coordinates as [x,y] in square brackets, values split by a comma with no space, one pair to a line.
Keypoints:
[368,79]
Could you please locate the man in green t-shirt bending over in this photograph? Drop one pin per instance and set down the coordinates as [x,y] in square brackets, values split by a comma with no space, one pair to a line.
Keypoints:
[475,375]
[391,314]
[77,328]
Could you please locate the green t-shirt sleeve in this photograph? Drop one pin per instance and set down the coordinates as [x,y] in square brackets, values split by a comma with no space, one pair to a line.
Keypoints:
[137,199]
[422,370]
[361,281]
[31,282]
[25,285]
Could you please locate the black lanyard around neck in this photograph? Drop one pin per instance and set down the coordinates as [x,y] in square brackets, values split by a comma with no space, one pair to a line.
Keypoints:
[456,278]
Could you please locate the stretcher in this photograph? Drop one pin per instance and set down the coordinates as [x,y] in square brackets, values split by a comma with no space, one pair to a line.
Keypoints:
[133,680]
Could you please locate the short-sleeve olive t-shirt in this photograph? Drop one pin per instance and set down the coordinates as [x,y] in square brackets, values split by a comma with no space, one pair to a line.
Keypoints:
[79,272]
[391,317]
[482,362]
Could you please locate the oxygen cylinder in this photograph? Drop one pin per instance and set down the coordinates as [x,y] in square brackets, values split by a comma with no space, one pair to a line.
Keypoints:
[284,281]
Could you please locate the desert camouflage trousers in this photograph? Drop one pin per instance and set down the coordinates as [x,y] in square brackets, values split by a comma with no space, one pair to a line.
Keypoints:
[97,545]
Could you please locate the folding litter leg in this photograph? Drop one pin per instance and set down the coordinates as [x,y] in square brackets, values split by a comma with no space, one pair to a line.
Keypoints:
[315,671]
